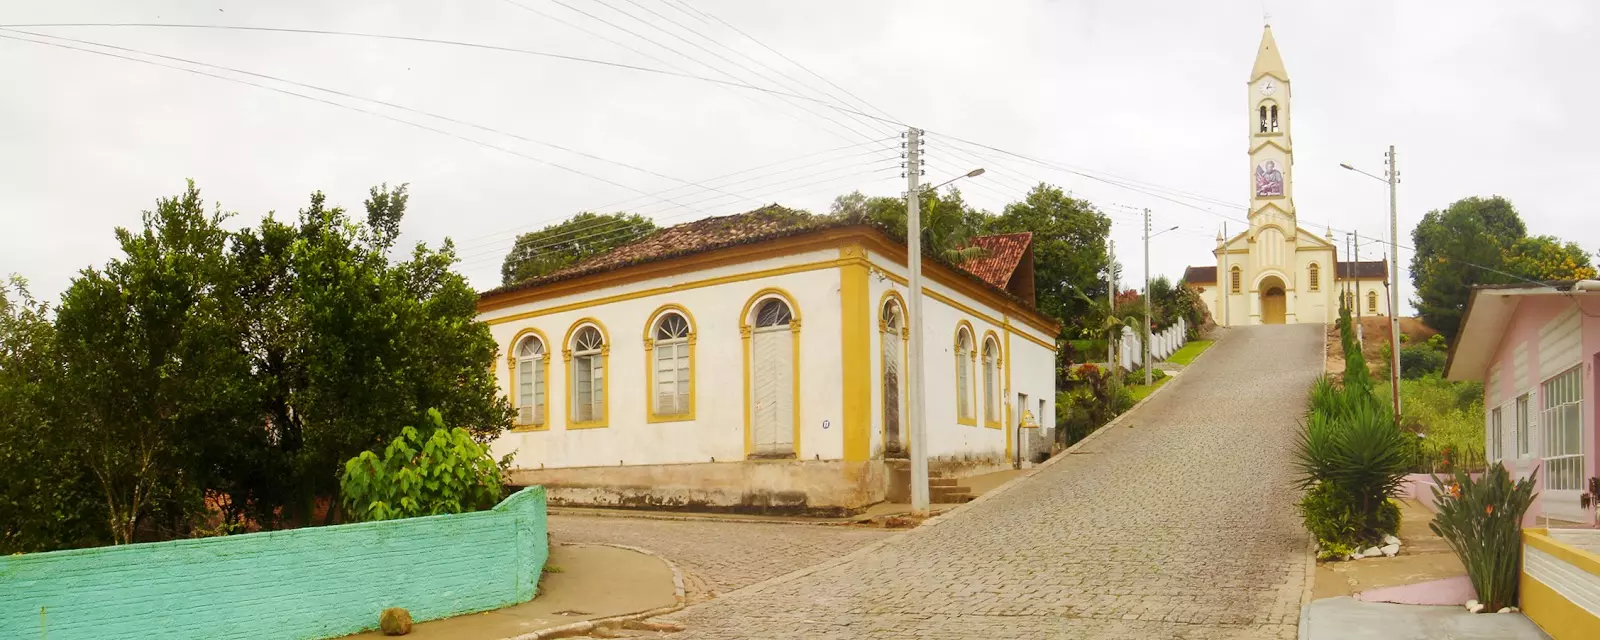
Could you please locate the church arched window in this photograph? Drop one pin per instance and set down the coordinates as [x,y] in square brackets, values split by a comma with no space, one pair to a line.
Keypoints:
[1315,273]
[1234,277]
[1274,118]
[1372,302]
[1263,118]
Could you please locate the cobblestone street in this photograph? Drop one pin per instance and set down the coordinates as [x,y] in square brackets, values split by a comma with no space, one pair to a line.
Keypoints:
[1178,523]
[718,557]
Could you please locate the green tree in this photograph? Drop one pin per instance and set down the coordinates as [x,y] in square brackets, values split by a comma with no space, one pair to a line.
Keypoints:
[47,498]
[1449,243]
[1069,250]
[948,222]
[559,246]
[347,343]
[1545,258]
[156,386]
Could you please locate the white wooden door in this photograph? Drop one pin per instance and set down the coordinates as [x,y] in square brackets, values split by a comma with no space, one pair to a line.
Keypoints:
[772,388]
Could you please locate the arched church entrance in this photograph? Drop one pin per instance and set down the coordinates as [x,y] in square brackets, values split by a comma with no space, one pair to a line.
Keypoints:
[1272,300]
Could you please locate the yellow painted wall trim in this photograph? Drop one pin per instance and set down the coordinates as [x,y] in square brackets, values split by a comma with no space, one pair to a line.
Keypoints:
[863,235]
[651,417]
[605,375]
[1555,615]
[1540,539]
[855,343]
[1011,418]
[745,329]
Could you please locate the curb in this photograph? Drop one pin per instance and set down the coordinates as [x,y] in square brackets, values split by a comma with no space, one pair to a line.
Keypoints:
[692,517]
[1304,626]
[943,517]
[583,627]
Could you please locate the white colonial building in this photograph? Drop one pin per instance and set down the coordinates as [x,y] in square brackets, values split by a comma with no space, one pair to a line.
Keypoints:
[1276,272]
[754,362]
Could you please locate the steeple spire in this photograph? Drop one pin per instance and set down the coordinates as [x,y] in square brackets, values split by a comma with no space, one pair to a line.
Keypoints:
[1267,59]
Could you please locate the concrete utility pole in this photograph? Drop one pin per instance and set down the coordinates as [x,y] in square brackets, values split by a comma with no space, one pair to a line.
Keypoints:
[1226,287]
[1145,361]
[1355,271]
[1111,299]
[919,431]
[1394,283]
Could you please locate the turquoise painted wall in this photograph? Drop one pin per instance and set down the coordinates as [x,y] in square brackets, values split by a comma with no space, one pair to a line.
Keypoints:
[316,582]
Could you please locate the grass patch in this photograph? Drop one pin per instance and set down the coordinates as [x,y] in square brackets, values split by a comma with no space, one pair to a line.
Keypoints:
[554,568]
[1189,352]
[1141,391]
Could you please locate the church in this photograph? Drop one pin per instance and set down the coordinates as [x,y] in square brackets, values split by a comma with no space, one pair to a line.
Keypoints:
[1276,272]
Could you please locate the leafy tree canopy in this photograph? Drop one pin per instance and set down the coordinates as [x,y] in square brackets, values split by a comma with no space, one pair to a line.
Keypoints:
[1481,241]
[559,246]
[948,222]
[1069,252]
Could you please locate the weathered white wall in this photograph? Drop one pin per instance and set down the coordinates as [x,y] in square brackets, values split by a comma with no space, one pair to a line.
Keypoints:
[947,436]
[718,430]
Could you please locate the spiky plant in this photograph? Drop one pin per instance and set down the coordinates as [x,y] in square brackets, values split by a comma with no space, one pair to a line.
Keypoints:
[1349,441]
[1482,522]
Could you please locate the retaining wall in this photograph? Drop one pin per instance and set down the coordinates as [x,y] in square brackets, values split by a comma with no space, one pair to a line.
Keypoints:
[1560,583]
[315,582]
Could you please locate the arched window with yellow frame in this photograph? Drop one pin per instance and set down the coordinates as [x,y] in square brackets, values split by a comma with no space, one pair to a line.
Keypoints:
[966,353]
[1372,302]
[1314,276]
[991,380]
[529,360]
[1234,279]
[587,353]
[669,364]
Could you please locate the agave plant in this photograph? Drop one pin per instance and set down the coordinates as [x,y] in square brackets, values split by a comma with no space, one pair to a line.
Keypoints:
[1482,522]
[1350,442]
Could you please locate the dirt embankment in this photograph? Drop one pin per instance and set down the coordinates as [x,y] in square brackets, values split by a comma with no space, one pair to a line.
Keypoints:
[1375,334]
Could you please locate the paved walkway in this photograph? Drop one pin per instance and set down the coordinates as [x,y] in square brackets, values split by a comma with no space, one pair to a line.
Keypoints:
[1178,523]
[718,557]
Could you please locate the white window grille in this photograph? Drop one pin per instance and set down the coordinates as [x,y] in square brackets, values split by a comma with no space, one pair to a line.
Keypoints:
[991,404]
[1561,422]
[672,365]
[588,376]
[530,381]
[1524,425]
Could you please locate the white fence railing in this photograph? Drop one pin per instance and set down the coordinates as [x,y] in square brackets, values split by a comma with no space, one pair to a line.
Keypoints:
[1131,352]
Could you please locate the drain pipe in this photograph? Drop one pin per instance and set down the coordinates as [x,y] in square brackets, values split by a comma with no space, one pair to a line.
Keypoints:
[1587,285]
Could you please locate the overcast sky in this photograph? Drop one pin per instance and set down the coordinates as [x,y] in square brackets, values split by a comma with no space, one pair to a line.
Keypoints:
[1480,97]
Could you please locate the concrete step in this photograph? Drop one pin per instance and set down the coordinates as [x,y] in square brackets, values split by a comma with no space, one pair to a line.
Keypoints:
[950,495]
[941,482]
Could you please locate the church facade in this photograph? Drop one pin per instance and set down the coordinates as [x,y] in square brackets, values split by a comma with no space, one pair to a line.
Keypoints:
[1276,272]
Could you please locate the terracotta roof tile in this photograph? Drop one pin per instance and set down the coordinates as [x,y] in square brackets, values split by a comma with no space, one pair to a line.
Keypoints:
[1002,253]
[1373,269]
[1200,275]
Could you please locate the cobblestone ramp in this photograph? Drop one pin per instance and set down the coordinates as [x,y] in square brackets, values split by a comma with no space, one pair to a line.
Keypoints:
[1177,523]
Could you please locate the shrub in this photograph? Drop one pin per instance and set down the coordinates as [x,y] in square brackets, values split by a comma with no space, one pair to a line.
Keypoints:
[446,473]
[1328,515]
[1349,451]
[1137,376]
[1482,522]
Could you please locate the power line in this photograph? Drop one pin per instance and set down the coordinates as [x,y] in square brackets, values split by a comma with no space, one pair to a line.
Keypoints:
[356,97]
[454,43]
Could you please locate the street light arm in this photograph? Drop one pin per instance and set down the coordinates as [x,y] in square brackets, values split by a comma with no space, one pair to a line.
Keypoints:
[1347,166]
[1174,228]
[970,174]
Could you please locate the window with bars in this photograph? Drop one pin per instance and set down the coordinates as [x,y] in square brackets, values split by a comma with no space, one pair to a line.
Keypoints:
[1496,431]
[530,381]
[672,365]
[1524,425]
[1234,277]
[588,376]
[1561,422]
[1315,273]
[1372,302]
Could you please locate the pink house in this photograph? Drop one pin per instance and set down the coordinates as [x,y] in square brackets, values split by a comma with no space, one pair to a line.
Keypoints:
[1535,348]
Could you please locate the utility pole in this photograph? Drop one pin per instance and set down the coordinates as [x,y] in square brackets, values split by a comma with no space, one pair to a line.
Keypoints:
[1226,287]
[1355,270]
[1145,360]
[919,431]
[1111,300]
[1394,282]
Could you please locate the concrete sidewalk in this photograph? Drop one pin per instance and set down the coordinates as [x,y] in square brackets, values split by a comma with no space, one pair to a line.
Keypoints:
[1345,618]
[583,583]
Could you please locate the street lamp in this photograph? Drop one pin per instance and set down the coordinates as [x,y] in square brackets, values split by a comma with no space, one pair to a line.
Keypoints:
[1391,178]
[1147,322]
[914,408]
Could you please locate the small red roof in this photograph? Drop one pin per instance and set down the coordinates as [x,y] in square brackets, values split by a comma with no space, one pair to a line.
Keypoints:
[1002,254]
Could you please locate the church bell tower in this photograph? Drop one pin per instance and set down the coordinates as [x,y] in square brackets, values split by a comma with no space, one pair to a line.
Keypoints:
[1271,150]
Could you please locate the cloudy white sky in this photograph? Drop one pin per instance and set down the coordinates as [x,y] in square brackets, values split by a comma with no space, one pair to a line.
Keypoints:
[1480,97]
